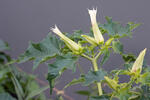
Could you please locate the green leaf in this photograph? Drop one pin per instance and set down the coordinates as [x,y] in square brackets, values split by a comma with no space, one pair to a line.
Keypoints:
[145,78]
[3,72]
[83,92]
[124,93]
[145,93]
[103,97]
[3,46]
[117,30]
[74,82]
[4,58]
[6,96]
[63,62]
[18,87]
[94,76]
[117,47]
[129,57]
[32,88]
[42,51]
[36,92]
[106,53]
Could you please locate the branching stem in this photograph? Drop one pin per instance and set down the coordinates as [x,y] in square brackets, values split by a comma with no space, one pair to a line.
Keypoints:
[95,66]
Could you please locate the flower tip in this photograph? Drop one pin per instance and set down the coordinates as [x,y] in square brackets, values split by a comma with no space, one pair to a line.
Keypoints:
[145,50]
[94,10]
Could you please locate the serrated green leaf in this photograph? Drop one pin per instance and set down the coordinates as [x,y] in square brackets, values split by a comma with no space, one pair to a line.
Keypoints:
[74,82]
[106,56]
[6,96]
[94,76]
[103,97]
[42,51]
[117,30]
[4,46]
[63,62]
[117,47]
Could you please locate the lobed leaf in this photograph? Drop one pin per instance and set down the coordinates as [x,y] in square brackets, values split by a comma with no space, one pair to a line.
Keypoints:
[42,51]
[62,62]
[117,30]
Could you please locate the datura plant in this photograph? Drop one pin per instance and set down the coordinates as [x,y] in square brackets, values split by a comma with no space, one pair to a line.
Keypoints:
[95,46]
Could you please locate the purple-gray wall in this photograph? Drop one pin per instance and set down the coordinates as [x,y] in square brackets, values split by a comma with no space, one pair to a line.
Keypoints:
[25,20]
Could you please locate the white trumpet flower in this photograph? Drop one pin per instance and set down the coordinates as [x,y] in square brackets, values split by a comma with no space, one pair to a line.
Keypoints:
[70,43]
[97,33]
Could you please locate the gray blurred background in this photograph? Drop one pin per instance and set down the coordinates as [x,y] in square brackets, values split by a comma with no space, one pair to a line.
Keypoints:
[25,20]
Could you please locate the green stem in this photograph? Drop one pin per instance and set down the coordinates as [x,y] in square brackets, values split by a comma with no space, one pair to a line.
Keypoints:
[89,58]
[95,66]
[94,62]
[97,56]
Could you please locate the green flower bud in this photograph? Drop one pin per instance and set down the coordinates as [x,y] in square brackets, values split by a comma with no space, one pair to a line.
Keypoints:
[112,83]
[108,42]
[139,62]
[91,40]
[71,44]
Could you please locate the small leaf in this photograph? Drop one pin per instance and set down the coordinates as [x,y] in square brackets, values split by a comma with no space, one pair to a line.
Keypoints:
[94,76]
[18,87]
[4,58]
[74,82]
[4,46]
[129,57]
[83,92]
[36,92]
[103,97]
[117,47]
[4,72]
[106,53]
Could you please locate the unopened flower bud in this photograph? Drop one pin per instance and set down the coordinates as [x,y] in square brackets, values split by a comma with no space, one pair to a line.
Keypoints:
[108,42]
[91,40]
[139,62]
